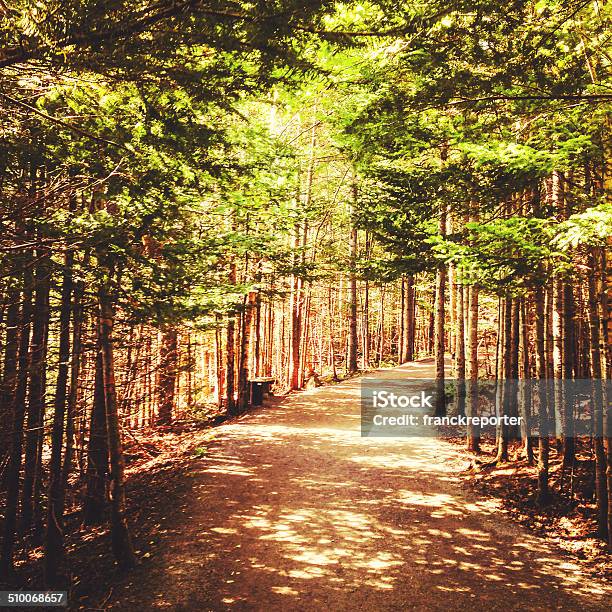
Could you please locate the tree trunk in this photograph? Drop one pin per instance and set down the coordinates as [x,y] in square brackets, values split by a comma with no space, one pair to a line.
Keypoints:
[167,376]
[352,338]
[512,406]
[296,323]
[601,489]
[565,340]
[18,411]
[557,328]
[473,437]
[452,309]
[230,350]
[607,265]
[30,501]
[503,384]
[120,535]
[525,386]
[219,369]
[245,342]
[440,407]
[8,386]
[607,312]
[431,330]
[460,342]
[54,566]
[97,473]
[257,351]
[408,321]
[366,326]
[75,375]
[542,375]
[569,443]
[381,327]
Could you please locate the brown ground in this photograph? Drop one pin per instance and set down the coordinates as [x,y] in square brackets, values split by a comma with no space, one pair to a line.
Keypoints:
[288,508]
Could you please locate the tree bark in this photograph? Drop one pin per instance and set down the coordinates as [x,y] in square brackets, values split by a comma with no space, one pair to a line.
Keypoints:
[503,383]
[120,535]
[473,438]
[18,411]
[607,312]
[31,515]
[408,321]
[525,385]
[97,473]
[230,351]
[440,403]
[167,376]
[54,565]
[601,489]
[460,362]
[245,342]
[543,417]
[452,309]
[75,375]
[296,321]
[569,313]
[367,341]
[607,265]
[352,339]
[8,387]
[557,328]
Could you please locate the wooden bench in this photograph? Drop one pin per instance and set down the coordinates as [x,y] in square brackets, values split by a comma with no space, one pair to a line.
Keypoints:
[260,388]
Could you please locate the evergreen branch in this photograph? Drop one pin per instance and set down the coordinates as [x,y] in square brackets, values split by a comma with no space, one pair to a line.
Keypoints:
[354,33]
[145,21]
[65,124]
[593,97]
[561,23]
[160,12]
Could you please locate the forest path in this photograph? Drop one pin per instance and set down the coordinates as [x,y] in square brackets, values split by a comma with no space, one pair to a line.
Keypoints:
[290,509]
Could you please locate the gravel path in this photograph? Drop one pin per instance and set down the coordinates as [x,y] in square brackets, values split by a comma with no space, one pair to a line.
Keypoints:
[290,509]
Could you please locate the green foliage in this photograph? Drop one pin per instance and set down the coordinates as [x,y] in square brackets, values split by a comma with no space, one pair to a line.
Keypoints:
[157,118]
[593,227]
[504,255]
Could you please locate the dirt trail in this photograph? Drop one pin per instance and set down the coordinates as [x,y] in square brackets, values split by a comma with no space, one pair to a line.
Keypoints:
[290,509]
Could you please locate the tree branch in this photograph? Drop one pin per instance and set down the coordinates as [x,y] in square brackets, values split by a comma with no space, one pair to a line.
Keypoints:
[532,97]
[57,121]
[145,20]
